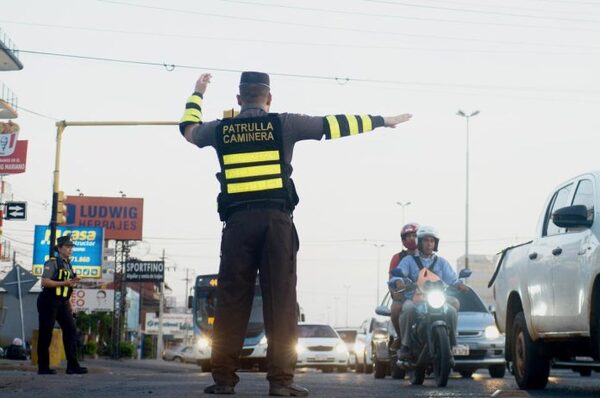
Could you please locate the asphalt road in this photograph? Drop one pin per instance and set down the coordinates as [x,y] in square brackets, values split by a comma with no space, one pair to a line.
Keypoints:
[124,379]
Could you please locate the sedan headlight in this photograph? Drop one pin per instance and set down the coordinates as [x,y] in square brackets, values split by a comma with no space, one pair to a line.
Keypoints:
[300,349]
[341,348]
[263,341]
[436,298]
[203,343]
[491,332]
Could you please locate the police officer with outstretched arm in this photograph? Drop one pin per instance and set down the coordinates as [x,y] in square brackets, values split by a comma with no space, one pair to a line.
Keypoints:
[256,203]
[58,280]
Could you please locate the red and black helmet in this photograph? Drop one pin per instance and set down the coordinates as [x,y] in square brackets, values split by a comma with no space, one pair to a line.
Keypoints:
[409,229]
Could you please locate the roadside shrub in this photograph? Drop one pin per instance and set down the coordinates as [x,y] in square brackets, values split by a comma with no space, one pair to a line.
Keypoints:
[90,348]
[127,349]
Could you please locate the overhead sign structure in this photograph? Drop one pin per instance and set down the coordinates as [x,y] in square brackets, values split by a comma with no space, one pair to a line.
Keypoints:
[87,252]
[16,211]
[173,324]
[16,161]
[121,218]
[90,300]
[145,271]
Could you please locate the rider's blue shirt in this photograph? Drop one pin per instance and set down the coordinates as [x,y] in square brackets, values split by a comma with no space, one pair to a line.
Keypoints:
[409,268]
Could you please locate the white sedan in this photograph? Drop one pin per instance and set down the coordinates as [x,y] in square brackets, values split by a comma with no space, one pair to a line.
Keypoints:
[319,346]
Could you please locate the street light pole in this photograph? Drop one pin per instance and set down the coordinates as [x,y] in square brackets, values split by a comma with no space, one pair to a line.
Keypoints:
[467,117]
[378,246]
[403,205]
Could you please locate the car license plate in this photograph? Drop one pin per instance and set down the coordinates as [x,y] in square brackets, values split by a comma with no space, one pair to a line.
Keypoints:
[460,350]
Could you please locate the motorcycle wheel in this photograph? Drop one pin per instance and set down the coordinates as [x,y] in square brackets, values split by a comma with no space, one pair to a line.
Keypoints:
[417,376]
[442,355]
[397,371]
[381,369]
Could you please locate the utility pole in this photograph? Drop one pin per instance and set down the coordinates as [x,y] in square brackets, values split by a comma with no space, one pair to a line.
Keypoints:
[18,271]
[159,343]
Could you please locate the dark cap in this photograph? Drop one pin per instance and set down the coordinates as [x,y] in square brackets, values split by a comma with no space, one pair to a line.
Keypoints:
[64,241]
[254,78]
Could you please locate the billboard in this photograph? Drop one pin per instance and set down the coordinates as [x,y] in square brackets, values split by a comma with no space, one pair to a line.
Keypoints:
[16,161]
[90,300]
[121,218]
[173,324]
[144,271]
[87,252]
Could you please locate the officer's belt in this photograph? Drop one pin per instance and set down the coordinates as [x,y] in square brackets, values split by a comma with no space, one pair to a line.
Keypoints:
[262,204]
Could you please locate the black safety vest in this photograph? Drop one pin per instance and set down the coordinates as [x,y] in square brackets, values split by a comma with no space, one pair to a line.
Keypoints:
[62,273]
[251,155]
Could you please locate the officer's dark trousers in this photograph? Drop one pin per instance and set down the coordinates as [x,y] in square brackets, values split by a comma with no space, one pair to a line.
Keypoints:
[263,240]
[52,309]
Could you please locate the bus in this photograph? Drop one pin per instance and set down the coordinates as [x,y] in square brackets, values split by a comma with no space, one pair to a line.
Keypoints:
[254,352]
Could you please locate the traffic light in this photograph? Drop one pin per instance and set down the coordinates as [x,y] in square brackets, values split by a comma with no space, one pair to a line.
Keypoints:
[61,208]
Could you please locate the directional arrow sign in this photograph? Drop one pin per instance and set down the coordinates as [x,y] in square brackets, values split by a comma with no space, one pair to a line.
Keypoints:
[16,210]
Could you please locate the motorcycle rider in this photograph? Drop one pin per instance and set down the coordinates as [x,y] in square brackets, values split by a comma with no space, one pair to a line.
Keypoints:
[425,265]
[408,234]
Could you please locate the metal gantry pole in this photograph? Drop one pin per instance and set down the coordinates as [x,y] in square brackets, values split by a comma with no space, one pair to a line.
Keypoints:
[18,271]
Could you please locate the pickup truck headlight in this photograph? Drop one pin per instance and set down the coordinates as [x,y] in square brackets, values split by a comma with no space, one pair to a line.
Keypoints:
[491,332]
[436,298]
[203,343]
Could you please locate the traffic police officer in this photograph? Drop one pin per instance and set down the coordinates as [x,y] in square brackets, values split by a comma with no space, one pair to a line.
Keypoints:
[58,280]
[256,203]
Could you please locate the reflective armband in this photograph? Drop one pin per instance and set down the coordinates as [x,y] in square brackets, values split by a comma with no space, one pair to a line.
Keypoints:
[337,126]
[193,112]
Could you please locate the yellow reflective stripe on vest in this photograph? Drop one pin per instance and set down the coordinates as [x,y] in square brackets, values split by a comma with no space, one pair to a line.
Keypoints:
[366,123]
[252,171]
[352,124]
[253,186]
[250,157]
[334,126]
[58,288]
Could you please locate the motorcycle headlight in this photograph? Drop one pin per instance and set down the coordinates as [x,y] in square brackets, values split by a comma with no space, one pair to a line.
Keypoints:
[436,298]
[300,349]
[203,343]
[341,348]
[263,341]
[359,348]
[491,332]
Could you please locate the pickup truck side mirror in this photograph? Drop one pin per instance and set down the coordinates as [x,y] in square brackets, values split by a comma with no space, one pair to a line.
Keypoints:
[572,217]
[383,310]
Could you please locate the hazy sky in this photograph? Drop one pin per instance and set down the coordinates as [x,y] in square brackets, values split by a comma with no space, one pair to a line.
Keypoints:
[530,66]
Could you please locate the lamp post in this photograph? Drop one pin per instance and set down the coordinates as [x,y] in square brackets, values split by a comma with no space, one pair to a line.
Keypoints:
[378,246]
[403,205]
[467,117]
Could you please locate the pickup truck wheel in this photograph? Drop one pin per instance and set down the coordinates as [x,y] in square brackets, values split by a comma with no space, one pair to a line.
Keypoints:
[531,367]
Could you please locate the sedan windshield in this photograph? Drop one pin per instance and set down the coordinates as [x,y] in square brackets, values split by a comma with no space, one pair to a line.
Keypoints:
[316,331]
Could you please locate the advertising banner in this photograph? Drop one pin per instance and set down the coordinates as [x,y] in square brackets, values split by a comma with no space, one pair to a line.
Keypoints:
[16,161]
[87,252]
[90,300]
[173,324]
[121,218]
[144,271]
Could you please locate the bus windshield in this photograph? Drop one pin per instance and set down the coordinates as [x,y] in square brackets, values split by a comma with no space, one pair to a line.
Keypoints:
[206,301]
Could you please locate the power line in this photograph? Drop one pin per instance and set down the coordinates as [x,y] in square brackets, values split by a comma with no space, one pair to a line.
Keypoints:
[405,17]
[341,80]
[300,43]
[471,11]
[20,108]
[335,28]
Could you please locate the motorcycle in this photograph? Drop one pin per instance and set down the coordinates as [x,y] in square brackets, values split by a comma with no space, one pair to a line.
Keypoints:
[431,337]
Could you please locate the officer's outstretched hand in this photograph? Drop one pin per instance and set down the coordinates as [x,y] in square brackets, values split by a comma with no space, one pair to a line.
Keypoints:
[393,121]
[202,83]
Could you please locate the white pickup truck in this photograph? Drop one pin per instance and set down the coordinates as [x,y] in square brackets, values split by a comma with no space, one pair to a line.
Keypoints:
[547,291]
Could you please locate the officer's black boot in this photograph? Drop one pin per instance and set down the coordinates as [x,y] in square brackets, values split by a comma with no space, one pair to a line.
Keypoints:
[290,390]
[219,389]
[46,372]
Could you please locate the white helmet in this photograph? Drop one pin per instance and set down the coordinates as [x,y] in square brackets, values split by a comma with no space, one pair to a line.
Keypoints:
[425,231]
[17,341]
